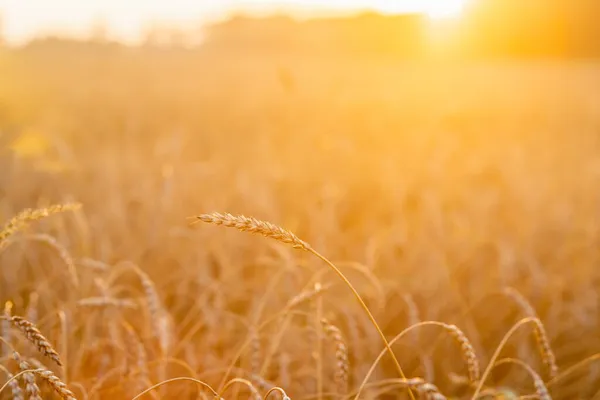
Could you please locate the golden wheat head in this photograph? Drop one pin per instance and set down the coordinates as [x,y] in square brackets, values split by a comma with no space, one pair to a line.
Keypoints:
[253,225]
[31,387]
[34,335]
[29,215]
[59,386]
[341,355]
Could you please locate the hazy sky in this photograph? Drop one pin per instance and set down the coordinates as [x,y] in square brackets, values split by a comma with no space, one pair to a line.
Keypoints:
[126,19]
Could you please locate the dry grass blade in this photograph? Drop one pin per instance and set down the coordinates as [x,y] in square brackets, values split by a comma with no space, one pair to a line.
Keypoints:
[27,216]
[341,355]
[35,336]
[539,331]
[253,225]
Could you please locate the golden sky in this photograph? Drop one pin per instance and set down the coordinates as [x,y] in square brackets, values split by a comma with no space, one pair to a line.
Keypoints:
[126,19]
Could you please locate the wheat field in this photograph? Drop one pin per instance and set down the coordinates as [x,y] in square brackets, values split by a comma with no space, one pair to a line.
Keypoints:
[455,203]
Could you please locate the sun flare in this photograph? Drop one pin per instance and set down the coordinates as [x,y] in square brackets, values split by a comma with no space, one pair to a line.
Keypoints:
[443,9]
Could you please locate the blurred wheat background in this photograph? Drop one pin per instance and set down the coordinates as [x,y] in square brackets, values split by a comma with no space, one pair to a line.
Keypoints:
[444,186]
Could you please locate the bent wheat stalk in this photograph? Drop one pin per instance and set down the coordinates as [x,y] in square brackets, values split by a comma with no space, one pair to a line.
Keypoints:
[541,391]
[267,229]
[467,350]
[499,348]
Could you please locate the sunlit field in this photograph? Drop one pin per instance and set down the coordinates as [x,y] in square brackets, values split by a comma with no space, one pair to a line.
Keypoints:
[466,193]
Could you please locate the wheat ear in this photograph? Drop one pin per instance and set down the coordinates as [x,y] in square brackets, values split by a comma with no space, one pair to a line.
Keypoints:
[13,383]
[158,314]
[539,331]
[255,351]
[31,387]
[21,220]
[428,390]
[341,355]
[5,327]
[59,386]
[34,335]
[253,225]
[467,351]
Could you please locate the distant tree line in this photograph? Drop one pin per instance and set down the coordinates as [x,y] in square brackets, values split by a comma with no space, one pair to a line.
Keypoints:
[489,28]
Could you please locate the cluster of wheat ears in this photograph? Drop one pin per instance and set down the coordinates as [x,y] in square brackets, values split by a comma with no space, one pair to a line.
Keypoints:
[30,372]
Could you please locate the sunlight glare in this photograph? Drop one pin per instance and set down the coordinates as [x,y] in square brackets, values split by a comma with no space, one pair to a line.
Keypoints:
[444,9]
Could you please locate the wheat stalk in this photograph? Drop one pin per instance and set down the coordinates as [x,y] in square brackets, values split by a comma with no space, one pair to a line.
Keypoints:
[427,390]
[267,229]
[61,250]
[25,217]
[105,301]
[539,331]
[93,265]
[32,308]
[467,350]
[414,317]
[306,295]
[341,355]
[5,327]
[34,335]
[253,390]
[134,343]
